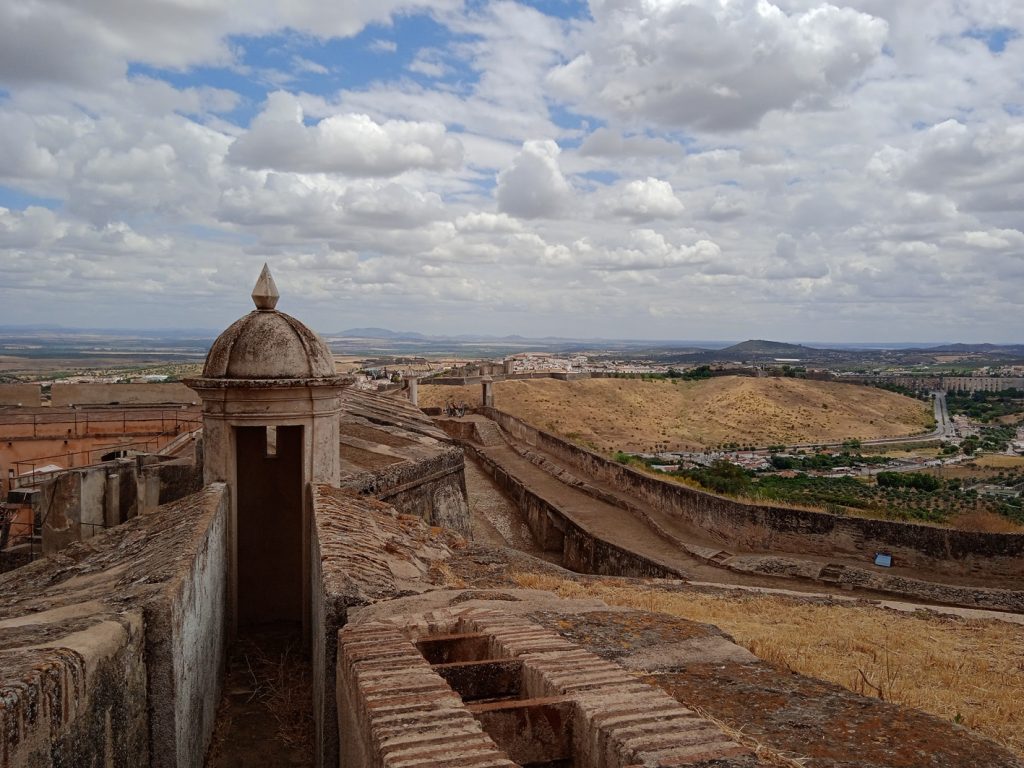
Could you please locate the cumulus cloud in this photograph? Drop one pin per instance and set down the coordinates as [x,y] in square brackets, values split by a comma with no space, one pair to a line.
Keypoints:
[487,223]
[757,152]
[349,143]
[648,249]
[788,262]
[533,186]
[30,228]
[714,64]
[645,200]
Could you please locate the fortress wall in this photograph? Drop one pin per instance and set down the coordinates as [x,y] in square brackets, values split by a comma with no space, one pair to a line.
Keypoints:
[77,699]
[112,654]
[981,383]
[326,617]
[759,527]
[177,478]
[362,551]
[25,395]
[121,394]
[581,551]
[186,643]
[432,488]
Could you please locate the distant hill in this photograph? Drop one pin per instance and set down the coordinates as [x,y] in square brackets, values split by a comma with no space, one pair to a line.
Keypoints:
[379,333]
[631,414]
[762,347]
[765,351]
[982,349]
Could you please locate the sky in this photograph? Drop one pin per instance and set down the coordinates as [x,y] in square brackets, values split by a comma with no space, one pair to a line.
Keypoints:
[729,169]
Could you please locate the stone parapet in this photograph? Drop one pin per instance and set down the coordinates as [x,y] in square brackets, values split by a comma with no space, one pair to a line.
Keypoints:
[111,652]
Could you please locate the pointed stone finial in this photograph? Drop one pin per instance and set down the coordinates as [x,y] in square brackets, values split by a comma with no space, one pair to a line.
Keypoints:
[265,294]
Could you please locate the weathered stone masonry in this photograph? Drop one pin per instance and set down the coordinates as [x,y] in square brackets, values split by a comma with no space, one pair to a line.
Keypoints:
[399,710]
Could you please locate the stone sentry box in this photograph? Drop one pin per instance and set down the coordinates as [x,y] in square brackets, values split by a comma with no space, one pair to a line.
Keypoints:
[480,688]
[271,401]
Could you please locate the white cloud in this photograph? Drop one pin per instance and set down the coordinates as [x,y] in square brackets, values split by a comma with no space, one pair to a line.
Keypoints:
[645,200]
[302,64]
[648,249]
[714,64]
[429,62]
[483,222]
[533,186]
[349,143]
[758,155]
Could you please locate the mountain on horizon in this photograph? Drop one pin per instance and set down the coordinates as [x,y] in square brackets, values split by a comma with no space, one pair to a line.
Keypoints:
[379,333]
[764,347]
[1012,349]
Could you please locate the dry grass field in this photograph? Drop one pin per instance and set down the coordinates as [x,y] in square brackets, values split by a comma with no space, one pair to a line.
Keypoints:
[637,415]
[983,467]
[969,671]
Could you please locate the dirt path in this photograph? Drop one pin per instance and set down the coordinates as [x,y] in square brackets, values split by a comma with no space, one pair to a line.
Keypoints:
[496,521]
[266,712]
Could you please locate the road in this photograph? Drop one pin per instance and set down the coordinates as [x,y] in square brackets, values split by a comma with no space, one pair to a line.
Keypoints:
[943,429]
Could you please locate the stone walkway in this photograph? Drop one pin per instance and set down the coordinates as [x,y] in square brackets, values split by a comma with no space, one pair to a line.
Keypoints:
[266,711]
[496,521]
[614,524]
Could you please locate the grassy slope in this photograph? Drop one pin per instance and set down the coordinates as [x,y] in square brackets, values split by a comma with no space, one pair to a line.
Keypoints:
[631,414]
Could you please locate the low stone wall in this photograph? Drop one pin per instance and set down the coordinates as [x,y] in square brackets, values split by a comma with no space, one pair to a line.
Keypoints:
[581,550]
[112,654]
[431,488]
[186,644]
[79,503]
[25,395]
[759,527]
[362,552]
[122,394]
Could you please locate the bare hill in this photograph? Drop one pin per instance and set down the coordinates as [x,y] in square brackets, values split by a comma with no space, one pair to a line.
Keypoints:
[632,414]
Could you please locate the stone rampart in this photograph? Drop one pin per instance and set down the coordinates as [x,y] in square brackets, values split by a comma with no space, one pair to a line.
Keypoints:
[25,395]
[552,530]
[186,643]
[111,654]
[432,488]
[122,394]
[741,526]
[410,686]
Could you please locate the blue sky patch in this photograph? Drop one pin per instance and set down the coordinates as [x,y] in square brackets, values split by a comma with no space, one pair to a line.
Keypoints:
[995,38]
[17,200]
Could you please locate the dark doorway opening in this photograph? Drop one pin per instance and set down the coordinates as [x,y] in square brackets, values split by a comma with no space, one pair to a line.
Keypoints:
[269,524]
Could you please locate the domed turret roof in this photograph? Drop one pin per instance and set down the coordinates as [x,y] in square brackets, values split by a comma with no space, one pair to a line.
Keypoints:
[267,344]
